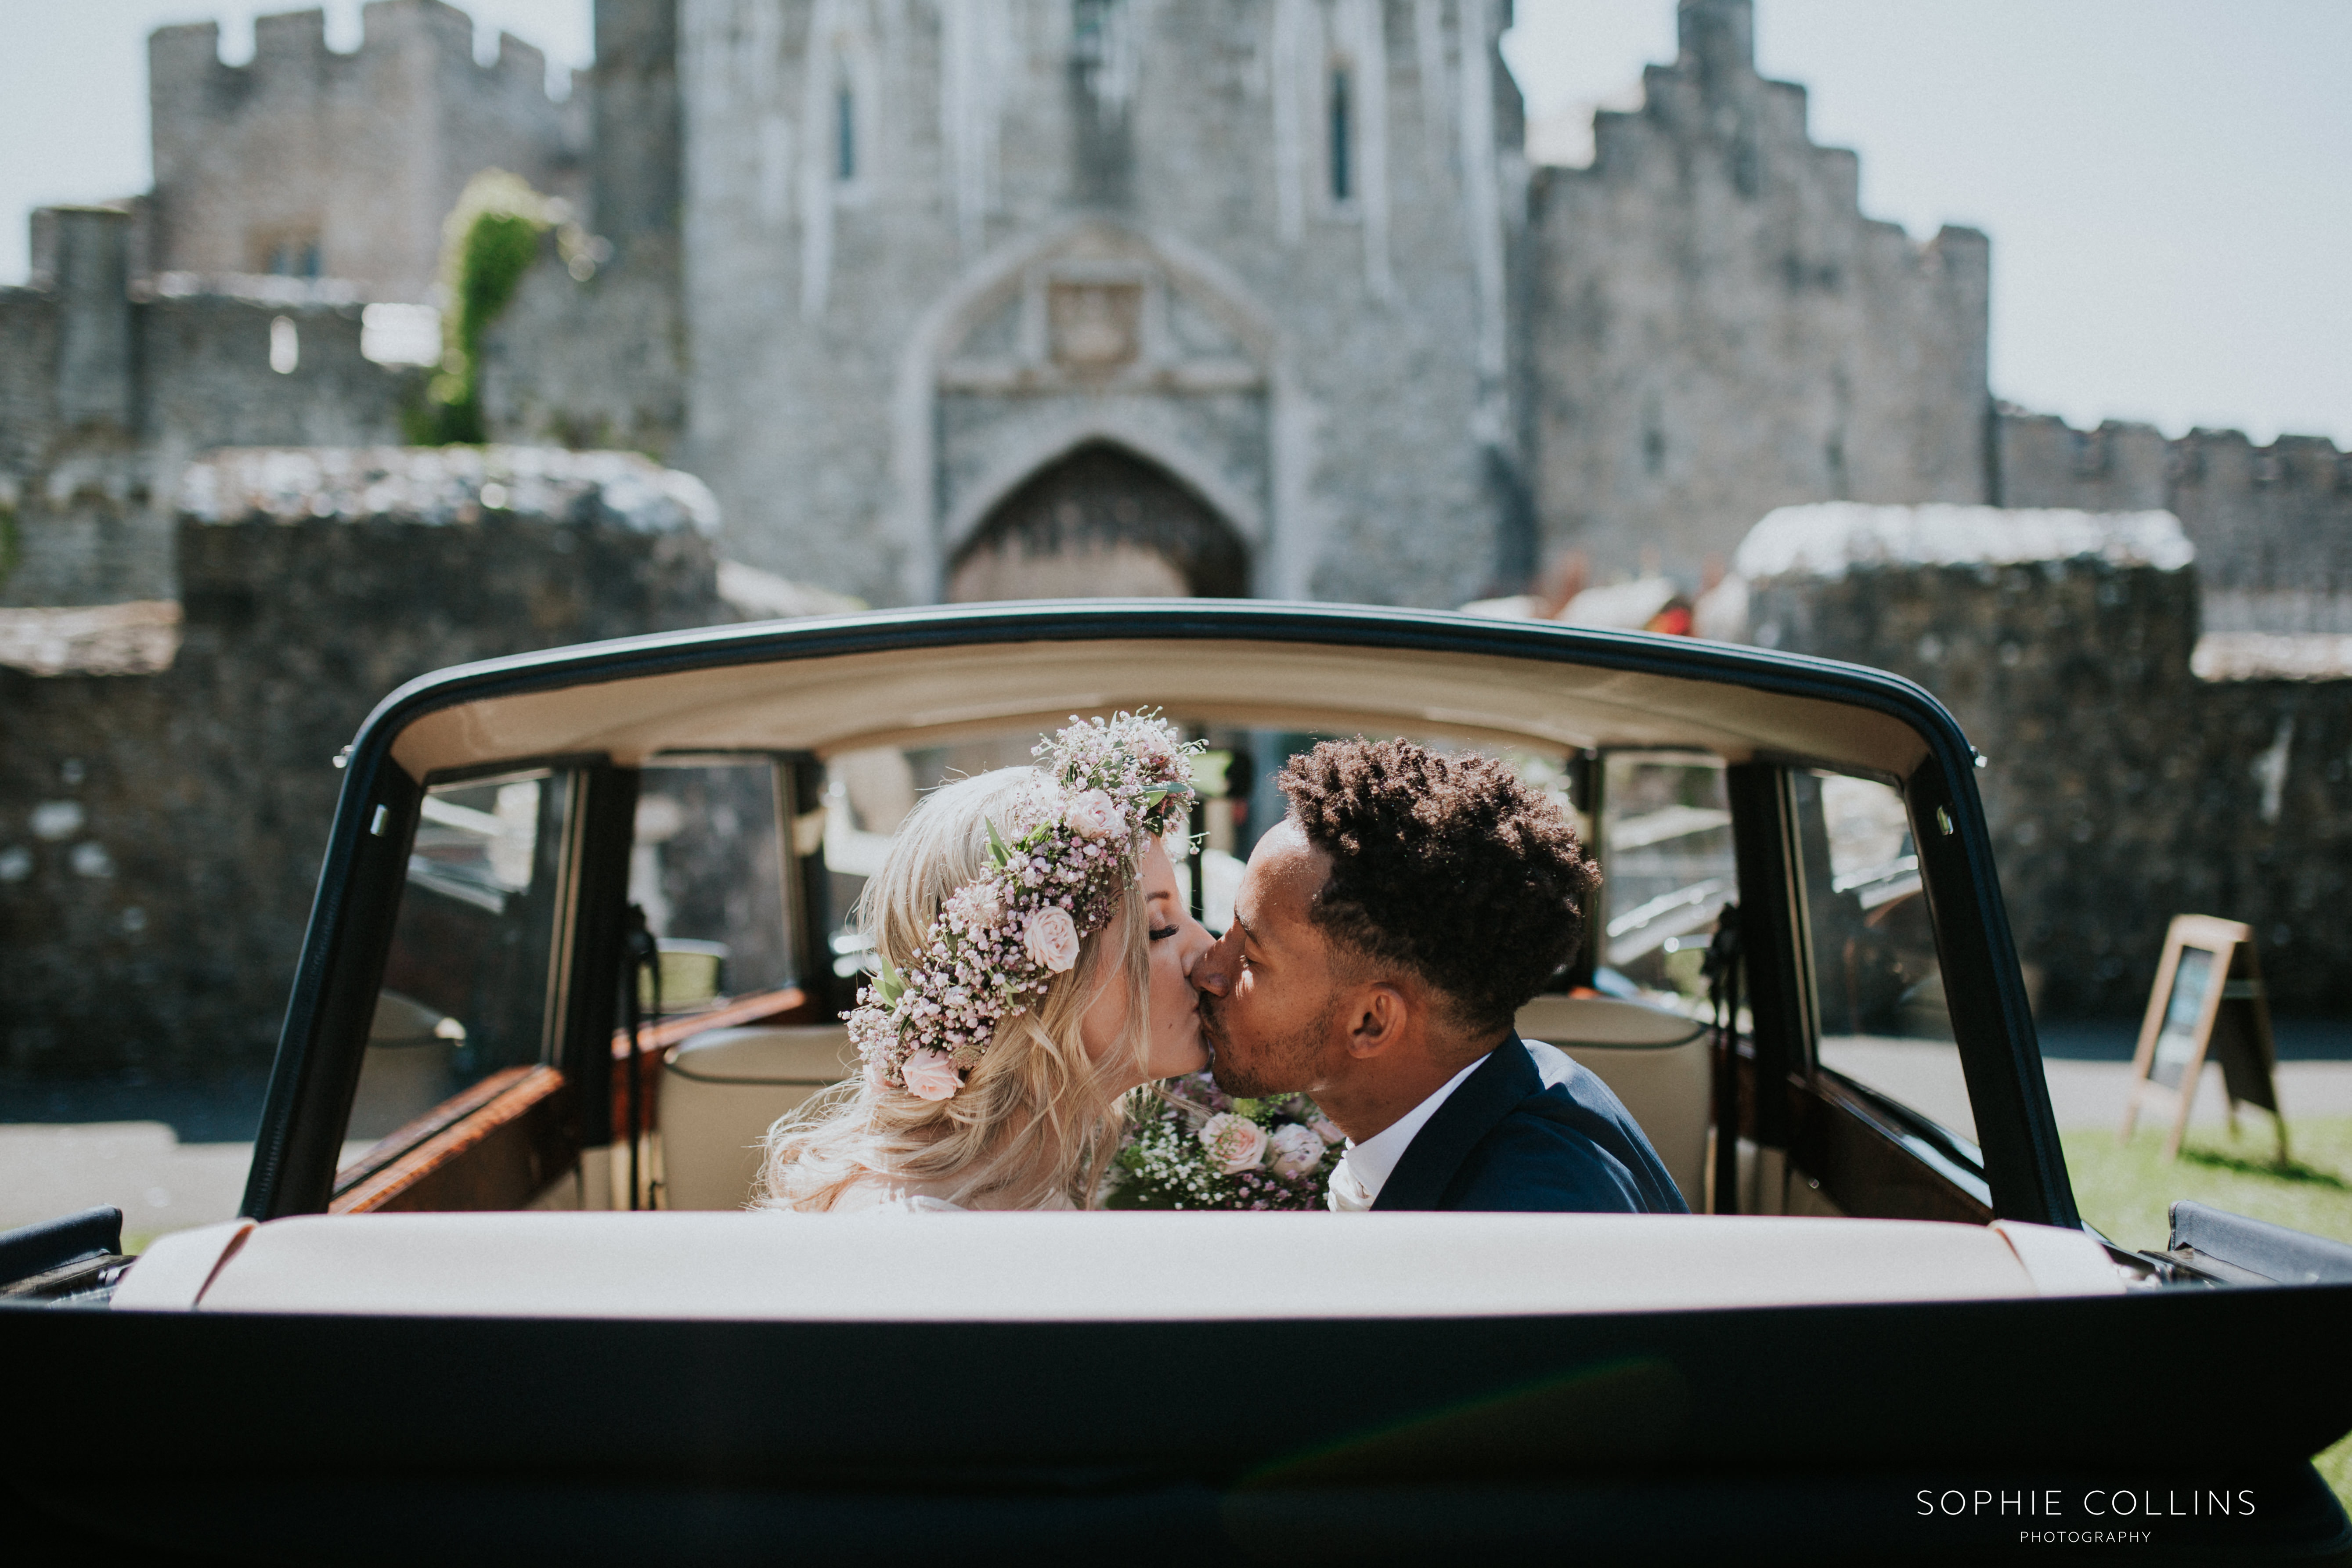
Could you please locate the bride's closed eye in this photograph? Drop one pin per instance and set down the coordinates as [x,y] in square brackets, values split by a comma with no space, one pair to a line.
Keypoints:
[1161,933]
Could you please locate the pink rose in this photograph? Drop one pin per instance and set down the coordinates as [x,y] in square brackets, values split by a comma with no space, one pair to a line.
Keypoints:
[1325,1127]
[1297,1150]
[930,1075]
[1052,939]
[1093,815]
[1236,1143]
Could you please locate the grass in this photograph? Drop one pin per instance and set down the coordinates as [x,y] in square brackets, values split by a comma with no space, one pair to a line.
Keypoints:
[2336,1469]
[2125,1191]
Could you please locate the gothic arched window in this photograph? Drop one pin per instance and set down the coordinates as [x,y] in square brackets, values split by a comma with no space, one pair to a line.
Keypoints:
[845,133]
[1343,127]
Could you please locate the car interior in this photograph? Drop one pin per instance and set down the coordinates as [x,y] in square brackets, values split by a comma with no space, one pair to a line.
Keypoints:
[704,831]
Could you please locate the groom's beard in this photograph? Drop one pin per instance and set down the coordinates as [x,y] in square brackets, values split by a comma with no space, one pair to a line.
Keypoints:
[1284,1064]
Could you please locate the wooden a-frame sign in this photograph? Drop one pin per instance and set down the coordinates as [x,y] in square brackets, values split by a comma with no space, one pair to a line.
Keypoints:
[2208,1005]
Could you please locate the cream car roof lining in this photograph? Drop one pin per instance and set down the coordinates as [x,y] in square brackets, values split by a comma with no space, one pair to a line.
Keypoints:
[844,701]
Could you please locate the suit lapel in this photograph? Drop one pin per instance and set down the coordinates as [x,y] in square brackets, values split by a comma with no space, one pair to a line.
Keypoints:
[1507,1077]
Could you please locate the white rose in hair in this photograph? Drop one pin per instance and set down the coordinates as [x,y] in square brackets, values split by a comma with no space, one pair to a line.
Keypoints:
[930,1075]
[1093,815]
[1236,1143]
[978,906]
[1297,1150]
[1051,940]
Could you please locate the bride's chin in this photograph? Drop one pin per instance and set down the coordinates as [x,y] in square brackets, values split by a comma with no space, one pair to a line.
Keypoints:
[1192,1057]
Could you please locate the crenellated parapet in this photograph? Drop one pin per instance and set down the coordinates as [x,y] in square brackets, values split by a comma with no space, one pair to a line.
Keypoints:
[2273,524]
[309,162]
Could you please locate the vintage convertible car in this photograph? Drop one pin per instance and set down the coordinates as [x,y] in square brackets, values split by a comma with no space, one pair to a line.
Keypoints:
[581,934]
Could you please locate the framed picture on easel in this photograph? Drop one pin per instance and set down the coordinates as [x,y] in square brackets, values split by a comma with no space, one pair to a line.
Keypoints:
[2208,1005]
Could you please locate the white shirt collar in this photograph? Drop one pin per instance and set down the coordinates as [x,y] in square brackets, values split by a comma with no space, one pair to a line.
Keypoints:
[1369,1164]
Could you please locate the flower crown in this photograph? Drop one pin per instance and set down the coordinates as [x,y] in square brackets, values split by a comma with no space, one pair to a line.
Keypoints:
[999,940]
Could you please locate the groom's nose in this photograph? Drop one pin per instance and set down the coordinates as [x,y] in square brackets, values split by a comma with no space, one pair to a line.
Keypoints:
[1211,973]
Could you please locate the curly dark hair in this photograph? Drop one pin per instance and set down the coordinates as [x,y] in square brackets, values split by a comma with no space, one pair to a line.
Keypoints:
[1445,863]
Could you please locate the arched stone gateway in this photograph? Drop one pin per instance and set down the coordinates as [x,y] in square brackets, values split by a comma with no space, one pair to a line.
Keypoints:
[1101,523]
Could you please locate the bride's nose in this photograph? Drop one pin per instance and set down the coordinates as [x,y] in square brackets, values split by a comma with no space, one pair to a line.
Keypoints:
[1194,943]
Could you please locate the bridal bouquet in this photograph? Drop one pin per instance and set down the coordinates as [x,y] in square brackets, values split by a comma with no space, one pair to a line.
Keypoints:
[1194,1146]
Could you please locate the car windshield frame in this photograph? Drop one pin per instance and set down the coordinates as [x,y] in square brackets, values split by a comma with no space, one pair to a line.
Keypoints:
[2025,1168]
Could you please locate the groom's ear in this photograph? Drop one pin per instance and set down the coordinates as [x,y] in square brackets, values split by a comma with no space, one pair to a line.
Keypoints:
[1378,1013]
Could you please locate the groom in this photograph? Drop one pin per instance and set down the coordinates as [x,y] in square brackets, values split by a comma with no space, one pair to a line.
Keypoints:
[1384,936]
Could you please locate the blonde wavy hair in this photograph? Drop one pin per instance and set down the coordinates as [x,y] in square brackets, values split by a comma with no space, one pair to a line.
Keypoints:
[1037,1121]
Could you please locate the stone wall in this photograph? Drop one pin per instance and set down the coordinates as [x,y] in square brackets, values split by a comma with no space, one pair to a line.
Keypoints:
[1717,330]
[2121,788]
[160,834]
[598,362]
[324,165]
[2272,525]
[107,390]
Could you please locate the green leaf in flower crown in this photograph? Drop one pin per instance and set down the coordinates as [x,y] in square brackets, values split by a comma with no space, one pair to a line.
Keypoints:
[997,852]
[892,983]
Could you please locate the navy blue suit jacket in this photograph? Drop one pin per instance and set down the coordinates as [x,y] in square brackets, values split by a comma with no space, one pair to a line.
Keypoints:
[1506,1140]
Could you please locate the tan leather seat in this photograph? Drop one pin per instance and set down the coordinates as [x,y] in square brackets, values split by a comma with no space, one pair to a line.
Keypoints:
[1658,1063]
[722,1088]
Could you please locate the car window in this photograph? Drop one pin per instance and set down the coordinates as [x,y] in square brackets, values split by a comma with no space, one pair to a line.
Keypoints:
[1878,989]
[1667,871]
[868,793]
[707,867]
[466,988]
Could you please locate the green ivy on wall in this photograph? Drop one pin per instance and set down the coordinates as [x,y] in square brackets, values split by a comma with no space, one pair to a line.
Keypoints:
[489,242]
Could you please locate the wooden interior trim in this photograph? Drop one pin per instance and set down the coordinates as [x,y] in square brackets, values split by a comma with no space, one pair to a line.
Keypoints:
[762,1008]
[790,1004]
[497,1155]
[389,1148]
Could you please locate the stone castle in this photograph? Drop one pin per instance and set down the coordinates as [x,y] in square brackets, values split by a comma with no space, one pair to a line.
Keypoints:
[1010,297]
[977,299]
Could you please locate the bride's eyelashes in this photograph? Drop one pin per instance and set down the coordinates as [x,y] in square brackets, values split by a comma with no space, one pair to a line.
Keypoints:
[1162,934]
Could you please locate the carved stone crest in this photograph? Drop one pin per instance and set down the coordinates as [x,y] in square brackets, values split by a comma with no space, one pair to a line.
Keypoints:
[1094,328]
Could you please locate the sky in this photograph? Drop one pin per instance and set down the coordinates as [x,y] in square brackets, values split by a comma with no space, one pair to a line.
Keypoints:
[2167,183]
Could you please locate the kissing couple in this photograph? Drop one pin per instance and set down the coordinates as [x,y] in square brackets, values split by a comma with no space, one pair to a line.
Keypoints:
[1037,963]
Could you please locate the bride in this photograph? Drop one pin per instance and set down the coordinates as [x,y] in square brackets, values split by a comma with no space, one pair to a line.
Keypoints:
[1034,946]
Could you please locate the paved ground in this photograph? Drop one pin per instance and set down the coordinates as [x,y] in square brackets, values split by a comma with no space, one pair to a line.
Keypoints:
[159,1183]
[2082,1094]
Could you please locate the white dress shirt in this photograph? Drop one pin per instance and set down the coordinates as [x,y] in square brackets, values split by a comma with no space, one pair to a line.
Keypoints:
[1366,1167]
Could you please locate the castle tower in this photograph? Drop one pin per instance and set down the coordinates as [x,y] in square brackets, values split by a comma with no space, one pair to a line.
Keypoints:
[1007,295]
[1719,330]
[316,164]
